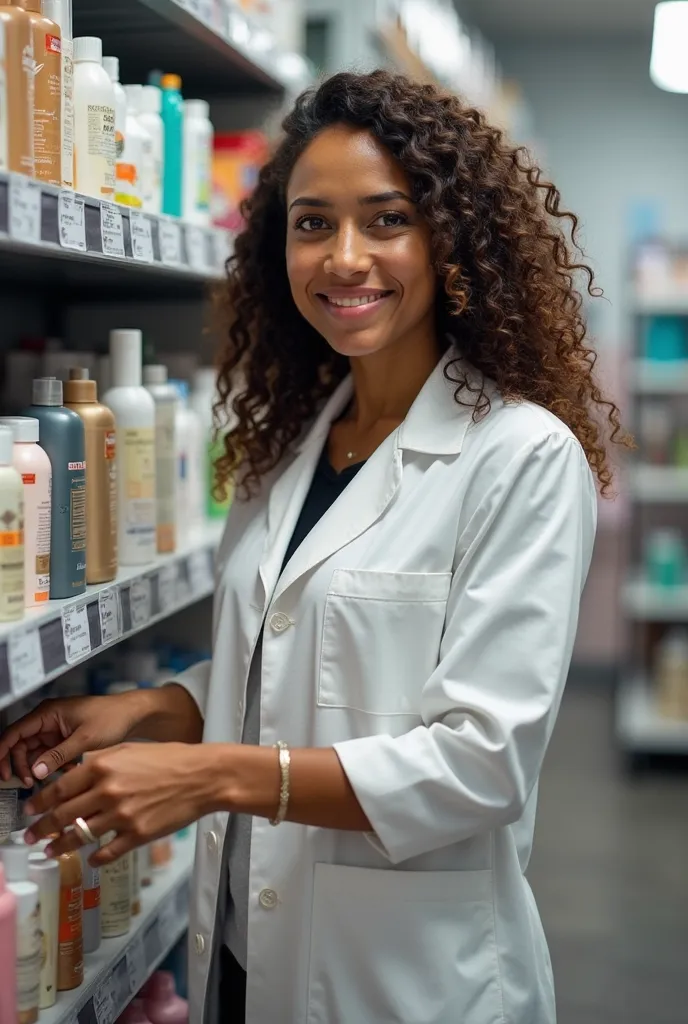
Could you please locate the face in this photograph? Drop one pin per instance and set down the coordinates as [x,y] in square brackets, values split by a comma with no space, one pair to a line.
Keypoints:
[358,250]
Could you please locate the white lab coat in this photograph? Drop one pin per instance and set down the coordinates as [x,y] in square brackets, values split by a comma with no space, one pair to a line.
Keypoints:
[424,628]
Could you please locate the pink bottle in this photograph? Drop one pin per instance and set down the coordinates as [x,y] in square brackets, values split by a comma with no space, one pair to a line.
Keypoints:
[8,952]
[134,1014]
[161,1002]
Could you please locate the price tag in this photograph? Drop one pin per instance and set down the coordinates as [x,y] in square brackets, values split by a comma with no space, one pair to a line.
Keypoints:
[140,602]
[109,614]
[103,1003]
[111,230]
[200,573]
[25,659]
[167,588]
[170,243]
[195,248]
[136,965]
[141,236]
[71,219]
[77,639]
[24,209]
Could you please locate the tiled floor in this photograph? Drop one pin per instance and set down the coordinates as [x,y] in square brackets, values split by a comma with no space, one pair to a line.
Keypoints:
[610,873]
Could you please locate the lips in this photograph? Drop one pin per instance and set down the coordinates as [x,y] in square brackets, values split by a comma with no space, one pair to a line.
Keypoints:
[354,302]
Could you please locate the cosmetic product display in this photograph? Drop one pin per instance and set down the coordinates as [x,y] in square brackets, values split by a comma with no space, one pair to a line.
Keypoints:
[166,398]
[94,121]
[47,98]
[150,119]
[45,872]
[172,113]
[81,396]
[11,532]
[115,894]
[197,165]
[70,954]
[16,91]
[33,465]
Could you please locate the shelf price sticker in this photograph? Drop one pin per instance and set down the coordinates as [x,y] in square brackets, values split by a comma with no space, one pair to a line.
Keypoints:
[167,588]
[195,248]
[111,230]
[141,236]
[71,221]
[25,660]
[170,242]
[140,602]
[200,573]
[110,615]
[136,965]
[24,214]
[75,632]
[104,1003]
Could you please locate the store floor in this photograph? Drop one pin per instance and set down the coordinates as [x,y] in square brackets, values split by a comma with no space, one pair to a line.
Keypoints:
[610,873]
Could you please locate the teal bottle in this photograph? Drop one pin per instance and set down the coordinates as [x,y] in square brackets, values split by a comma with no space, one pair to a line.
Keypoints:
[62,438]
[173,121]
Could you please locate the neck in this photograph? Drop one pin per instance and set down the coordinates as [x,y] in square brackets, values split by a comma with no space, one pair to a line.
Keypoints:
[387,382]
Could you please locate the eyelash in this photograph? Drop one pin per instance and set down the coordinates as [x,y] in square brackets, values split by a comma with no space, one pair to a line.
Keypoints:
[403,219]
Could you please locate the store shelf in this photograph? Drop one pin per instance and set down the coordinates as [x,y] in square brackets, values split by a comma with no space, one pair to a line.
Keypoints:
[667,303]
[49,640]
[214,54]
[115,972]
[659,484]
[640,728]
[647,603]
[649,377]
[83,244]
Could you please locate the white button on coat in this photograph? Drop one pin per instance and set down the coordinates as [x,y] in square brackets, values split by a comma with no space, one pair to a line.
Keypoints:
[199,944]
[268,899]
[437,605]
[211,841]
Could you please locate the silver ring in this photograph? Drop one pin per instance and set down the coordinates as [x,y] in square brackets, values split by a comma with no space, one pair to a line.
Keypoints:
[84,832]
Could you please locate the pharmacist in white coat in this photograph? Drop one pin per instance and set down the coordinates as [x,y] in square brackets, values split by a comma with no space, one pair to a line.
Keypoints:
[397,588]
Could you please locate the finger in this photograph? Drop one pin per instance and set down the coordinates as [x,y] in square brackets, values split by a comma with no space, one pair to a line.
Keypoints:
[69,750]
[20,760]
[99,824]
[122,844]
[68,786]
[54,823]
[25,727]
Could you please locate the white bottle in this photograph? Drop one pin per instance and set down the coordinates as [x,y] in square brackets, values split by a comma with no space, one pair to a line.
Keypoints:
[197,166]
[134,410]
[166,399]
[45,872]
[60,11]
[151,121]
[190,454]
[94,121]
[138,147]
[115,894]
[111,66]
[15,860]
[11,532]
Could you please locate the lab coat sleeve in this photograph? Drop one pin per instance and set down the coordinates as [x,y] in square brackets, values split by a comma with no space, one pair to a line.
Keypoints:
[195,681]
[489,708]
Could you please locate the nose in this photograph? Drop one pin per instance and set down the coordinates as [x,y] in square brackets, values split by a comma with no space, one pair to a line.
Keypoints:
[348,254]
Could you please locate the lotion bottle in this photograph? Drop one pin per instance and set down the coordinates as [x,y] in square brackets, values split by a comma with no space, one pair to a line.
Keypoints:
[81,396]
[138,147]
[94,121]
[198,156]
[166,400]
[115,888]
[16,92]
[47,115]
[8,950]
[11,533]
[60,11]
[70,950]
[111,66]
[134,410]
[150,119]
[45,872]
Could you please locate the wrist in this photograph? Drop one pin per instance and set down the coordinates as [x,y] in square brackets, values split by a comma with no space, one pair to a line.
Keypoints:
[248,778]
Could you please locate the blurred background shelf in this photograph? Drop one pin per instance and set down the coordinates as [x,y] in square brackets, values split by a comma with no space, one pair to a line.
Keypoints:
[659,484]
[645,602]
[669,303]
[640,728]
[651,377]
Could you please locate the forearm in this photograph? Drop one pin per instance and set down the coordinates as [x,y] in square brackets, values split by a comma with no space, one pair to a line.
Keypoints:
[168,714]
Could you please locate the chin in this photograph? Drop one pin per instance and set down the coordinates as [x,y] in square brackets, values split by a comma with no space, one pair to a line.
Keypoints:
[356,344]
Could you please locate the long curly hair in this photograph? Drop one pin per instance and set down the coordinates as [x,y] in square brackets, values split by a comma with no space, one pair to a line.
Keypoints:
[509,276]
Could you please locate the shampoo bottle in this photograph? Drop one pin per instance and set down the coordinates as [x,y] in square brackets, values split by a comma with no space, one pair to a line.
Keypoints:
[47,115]
[198,155]
[94,121]
[134,411]
[161,1002]
[190,455]
[111,66]
[62,438]
[11,533]
[33,465]
[150,119]
[16,91]
[173,120]
[81,396]
[166,400]
[115,889]
[45,872]
[8,950]
[138,149]
[60,11]
[15,860]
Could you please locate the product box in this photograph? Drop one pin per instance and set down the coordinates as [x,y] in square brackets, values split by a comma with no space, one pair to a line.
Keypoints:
[237,158]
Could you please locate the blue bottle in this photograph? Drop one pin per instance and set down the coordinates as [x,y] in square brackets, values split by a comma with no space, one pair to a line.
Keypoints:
[172,114]
[62,438]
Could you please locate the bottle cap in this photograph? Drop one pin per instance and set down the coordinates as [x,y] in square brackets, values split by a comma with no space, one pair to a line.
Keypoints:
[6,446]
[47,391]
[15,858]
[79,389]
[133,94]
[125,357]
[155,374]
[197,108]
[111,65]
[151,99]
[88,48]
[24,428]
[171,82]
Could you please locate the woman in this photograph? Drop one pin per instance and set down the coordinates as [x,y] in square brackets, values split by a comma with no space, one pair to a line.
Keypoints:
[397,592]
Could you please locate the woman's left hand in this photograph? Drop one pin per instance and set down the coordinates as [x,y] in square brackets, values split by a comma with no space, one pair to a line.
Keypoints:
[142,791]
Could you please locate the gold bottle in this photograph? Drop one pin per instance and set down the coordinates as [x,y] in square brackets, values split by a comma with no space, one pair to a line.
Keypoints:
[81,395]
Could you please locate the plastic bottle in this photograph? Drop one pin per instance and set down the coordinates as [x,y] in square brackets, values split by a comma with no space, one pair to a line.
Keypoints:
[134,1014]
[161,1002]
[8,950]
[45,872]
[15,860]
[198,156]
[16,91]
[81,396]
[172,113]
[91,926]
[33,465]
[47,51]
[671,674]
[9,806]
[134,411]
[11,533]
[111,66]
[190,457]
[60,11]
[151,121]
[70,950]
[137,144]
[115,894]
[62,437]
[94,121]
[166,398]
[665,558]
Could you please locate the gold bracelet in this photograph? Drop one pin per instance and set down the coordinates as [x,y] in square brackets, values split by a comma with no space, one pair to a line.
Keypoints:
[284,766]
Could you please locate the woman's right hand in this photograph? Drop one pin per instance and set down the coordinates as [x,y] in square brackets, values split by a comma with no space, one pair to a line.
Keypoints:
[59,731]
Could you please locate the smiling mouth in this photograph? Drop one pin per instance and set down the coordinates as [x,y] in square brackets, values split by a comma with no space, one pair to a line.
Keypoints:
[355,301]
[348,307]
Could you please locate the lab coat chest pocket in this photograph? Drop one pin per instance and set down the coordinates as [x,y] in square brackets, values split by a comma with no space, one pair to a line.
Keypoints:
[381,639]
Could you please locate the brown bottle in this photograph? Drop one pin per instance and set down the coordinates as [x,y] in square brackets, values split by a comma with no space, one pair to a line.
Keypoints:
[47,116]
[16,136]
[70,947]
[81,396]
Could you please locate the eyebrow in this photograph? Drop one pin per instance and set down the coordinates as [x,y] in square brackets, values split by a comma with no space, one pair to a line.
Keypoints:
[374,200]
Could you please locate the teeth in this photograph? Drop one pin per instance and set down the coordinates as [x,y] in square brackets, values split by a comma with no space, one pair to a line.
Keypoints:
[361,300]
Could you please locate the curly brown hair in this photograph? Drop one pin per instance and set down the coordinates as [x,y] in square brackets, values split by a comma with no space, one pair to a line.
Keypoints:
[508,301]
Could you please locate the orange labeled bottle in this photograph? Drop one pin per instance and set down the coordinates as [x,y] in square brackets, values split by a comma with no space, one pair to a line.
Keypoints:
[47,101]
[16,91]
[70,949]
